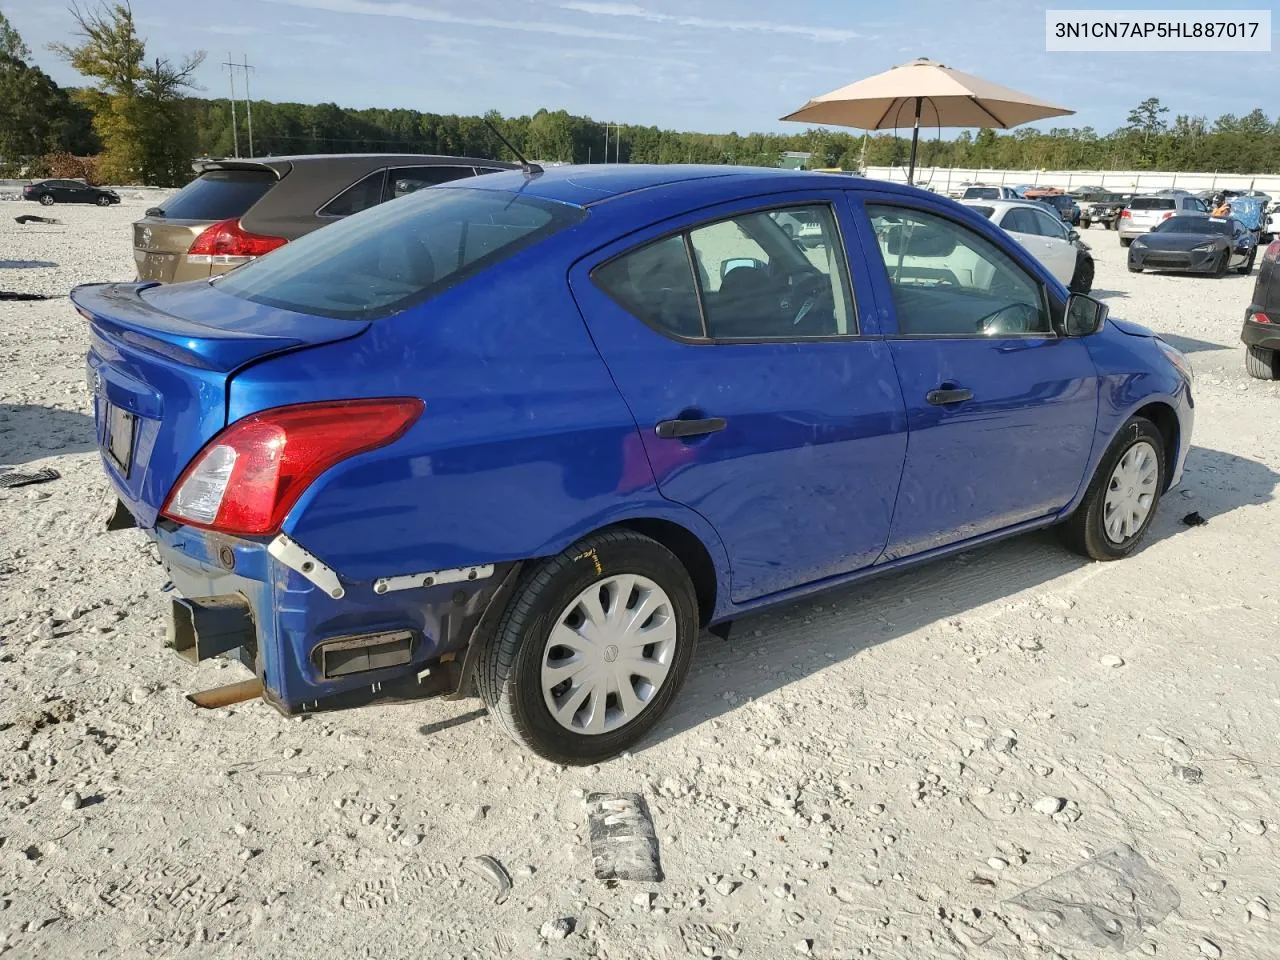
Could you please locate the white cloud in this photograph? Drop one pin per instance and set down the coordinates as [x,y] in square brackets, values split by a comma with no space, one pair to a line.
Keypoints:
[600,8]
[412,11]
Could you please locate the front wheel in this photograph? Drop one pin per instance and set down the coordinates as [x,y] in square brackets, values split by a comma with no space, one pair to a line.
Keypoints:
[592,649]
[1125,241]
[1082,282]
[1223,262]
[1260,363]
[1085,224]
[1247,268]
[47,199]
[1122,497]
[103,201]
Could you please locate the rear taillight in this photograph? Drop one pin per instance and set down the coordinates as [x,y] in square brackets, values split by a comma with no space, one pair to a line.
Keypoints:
[1167,215]
[248,477]
[228,239]
[1260,317]
[1124,214]
[1273,251]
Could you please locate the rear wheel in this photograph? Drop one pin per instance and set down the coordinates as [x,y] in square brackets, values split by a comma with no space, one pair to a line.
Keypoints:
[1122,497]
[1085,224]
[1260,363]
[103,201]
[47,199]
[592,649]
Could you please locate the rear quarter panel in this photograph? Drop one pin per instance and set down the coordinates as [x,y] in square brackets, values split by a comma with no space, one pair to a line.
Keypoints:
[524,446]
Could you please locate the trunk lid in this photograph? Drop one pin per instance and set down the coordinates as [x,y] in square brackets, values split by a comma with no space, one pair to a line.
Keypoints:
[159,364]
[159,246]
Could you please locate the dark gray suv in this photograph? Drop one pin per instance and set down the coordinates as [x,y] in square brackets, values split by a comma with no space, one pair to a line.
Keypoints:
[235,210]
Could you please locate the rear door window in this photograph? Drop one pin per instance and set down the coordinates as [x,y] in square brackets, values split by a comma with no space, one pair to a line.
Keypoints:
[361,195]
[219,195]
[1020,220]
[391,257]
[404,180]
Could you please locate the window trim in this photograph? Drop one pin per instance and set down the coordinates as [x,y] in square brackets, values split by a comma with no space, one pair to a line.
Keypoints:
[1046,303]
[338,216]
[846,278]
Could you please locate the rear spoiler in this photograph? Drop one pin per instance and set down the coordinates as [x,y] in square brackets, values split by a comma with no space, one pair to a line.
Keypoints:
[278,168]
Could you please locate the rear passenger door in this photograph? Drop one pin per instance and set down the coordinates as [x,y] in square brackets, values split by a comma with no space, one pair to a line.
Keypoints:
[1001,409]
[764,397]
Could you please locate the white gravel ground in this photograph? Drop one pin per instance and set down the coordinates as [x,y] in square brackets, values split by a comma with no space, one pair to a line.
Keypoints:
[869,774]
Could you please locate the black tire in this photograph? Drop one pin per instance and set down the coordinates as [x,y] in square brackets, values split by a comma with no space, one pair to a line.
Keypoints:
[508,672]
[1260,363]
[103,201]
[46,199]
[1085,224]
[1085,531]
[1125,241]
[1082,282]
[1133,269]
[1222,264]
[1247,268]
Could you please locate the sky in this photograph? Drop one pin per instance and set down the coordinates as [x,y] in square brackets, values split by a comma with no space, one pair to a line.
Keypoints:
[707,65]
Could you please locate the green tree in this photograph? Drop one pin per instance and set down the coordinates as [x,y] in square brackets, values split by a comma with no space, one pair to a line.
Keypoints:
[139,104]
[36,115]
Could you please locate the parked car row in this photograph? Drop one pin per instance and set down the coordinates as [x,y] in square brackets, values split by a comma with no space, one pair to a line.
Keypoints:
[1045,236]
[530,433]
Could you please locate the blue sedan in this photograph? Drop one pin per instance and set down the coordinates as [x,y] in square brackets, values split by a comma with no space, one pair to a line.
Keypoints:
[526,436]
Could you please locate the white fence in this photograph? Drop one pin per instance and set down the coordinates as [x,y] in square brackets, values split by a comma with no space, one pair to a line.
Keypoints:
[944,179]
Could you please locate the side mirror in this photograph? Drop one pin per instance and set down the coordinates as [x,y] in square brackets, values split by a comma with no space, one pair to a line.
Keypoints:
[1085,315]
[1073,235]
[749,263]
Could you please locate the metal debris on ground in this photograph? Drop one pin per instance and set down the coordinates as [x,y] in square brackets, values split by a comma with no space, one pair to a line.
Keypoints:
[1108,901]
[1193,519]
[32,218]
[487,868]
[623,843]
[16,479]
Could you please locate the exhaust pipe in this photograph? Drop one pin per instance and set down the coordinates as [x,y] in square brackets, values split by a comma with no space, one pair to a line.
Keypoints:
[226,696]
[208,626]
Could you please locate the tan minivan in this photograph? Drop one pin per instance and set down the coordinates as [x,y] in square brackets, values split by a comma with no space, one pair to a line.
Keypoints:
[235,210]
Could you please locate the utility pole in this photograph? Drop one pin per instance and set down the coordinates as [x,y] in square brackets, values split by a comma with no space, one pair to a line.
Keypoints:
[231,72]
[248,102]
[606,143]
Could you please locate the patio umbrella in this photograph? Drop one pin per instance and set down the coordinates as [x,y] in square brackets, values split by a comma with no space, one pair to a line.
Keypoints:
[944,97]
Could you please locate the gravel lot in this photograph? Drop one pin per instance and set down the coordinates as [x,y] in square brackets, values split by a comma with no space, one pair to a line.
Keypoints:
[873,773]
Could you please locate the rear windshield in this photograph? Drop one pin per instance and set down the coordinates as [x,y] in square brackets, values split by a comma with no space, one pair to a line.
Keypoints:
[1151,203]
[1200,225]
[396,254]
[218,195]
[982,193]
[985,211]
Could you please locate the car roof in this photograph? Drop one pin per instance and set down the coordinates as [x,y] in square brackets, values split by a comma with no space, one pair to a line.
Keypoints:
[979,202]
[586,185]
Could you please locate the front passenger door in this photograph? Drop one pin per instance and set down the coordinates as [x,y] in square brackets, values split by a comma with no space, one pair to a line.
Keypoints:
[1001,410]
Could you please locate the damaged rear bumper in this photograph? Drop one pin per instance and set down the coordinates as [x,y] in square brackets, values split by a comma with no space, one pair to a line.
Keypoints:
[319,642]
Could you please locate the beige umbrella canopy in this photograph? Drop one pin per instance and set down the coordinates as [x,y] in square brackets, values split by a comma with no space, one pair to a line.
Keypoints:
[925,90]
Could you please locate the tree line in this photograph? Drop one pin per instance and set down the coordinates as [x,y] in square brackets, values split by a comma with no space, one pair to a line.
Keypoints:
[138,116]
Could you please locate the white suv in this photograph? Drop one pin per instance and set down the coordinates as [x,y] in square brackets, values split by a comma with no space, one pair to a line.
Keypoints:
[1144,214]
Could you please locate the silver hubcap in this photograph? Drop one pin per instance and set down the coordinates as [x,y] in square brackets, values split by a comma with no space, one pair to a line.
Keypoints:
[1131,492]
[609,654]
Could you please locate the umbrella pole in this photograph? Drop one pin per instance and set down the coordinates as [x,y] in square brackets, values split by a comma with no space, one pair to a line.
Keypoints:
[915,142]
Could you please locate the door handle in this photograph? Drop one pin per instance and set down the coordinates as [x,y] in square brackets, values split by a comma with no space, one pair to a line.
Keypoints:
[945,395]
[676,429]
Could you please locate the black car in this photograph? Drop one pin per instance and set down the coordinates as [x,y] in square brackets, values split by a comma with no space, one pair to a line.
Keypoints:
[1064,206]
[69,191]
[1261,333]
[1192,244]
